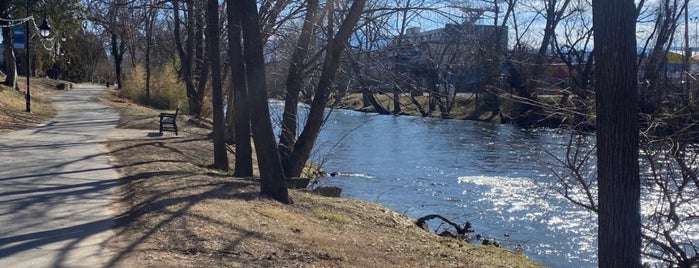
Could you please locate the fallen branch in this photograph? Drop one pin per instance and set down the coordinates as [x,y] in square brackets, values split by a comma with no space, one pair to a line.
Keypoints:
[461,230]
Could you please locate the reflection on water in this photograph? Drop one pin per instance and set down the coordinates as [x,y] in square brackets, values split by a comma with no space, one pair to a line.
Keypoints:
[491,175]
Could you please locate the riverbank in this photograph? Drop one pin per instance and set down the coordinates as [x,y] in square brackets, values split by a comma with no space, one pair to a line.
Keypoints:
[176,211]
[550,111]
[463,106]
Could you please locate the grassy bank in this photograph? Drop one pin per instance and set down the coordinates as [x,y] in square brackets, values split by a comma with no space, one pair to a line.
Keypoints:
[177,212]
[13,115]
[463,107]
[548,110]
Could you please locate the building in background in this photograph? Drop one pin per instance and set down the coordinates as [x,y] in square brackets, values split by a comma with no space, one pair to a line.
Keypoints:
[456,58]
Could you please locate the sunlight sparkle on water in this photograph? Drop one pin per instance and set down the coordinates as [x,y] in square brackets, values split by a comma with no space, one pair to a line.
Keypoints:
[536,211]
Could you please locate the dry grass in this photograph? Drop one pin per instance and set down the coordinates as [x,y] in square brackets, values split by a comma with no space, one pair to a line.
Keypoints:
[176,212]
[13,115]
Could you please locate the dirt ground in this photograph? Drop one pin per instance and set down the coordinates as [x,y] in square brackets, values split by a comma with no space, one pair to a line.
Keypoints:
[177,212]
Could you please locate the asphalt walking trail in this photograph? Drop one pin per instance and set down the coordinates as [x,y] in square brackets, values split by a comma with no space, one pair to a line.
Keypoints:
[57,185]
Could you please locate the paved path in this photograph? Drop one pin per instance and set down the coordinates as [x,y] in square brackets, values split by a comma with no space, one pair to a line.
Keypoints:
[56,185]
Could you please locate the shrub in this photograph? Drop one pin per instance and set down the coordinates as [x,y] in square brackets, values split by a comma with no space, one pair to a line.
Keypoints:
[166,91]
[134,84]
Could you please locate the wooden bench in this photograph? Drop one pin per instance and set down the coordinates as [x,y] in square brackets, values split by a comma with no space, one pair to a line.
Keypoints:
[168,121]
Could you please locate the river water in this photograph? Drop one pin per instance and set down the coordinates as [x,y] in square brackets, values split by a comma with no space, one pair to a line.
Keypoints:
[491,175]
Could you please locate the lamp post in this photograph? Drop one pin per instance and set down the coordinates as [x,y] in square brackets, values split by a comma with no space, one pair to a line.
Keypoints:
[28,96]
[44,31]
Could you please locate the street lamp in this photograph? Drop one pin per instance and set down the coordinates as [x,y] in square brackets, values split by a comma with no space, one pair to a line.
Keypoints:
[44,31]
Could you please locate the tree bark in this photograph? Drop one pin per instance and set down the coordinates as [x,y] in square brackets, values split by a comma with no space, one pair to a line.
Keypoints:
[617,133]
[212,38]
[273,182]
[241,113]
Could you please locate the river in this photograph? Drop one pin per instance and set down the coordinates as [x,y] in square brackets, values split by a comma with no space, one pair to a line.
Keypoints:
[491,175]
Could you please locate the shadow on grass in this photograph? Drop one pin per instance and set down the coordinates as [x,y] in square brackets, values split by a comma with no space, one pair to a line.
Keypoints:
[161,196]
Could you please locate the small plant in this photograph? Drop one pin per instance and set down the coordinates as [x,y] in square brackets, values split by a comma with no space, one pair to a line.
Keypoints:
[321,214]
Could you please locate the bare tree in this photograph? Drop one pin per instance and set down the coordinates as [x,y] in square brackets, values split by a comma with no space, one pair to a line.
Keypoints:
[151,14]
[9,52]
[336,43]
[273,181]
[212,40]
[110,16]
[294,82]
[655,86]
[240,109]
[10,59]
[194,72]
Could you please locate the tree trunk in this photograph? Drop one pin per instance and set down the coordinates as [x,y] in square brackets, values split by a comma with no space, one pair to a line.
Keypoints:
[335,46]
[553,17]
[118,47]
[201,83]
[197,59]
[687,50]
[10,59]
[149,44]
[186,54]
[617,133]
[9,52]
[273,182]
[368,96]
[396,100]
[212,38]
[294,82]
[241,114]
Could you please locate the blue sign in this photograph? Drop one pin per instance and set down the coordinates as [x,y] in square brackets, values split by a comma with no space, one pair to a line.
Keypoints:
[18,37]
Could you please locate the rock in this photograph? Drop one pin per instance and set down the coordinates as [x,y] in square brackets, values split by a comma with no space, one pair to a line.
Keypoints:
[297,183]
[329,191]
[491,242]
